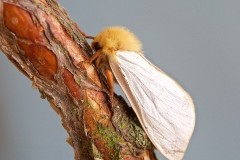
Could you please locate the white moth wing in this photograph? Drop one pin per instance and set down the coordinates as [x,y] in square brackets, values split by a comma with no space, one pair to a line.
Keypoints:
[163,107]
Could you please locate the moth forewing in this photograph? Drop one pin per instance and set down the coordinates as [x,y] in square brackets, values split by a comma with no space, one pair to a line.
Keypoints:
[164,109]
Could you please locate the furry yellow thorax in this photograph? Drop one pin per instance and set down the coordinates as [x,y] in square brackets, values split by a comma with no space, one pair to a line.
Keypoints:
[112,39]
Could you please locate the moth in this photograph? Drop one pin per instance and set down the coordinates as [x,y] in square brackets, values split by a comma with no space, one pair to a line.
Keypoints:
[164,109]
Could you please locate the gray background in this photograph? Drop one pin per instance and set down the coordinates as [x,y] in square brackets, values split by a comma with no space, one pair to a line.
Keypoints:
[196,42]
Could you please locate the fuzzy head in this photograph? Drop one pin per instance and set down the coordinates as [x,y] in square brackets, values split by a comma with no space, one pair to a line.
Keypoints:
[112,39]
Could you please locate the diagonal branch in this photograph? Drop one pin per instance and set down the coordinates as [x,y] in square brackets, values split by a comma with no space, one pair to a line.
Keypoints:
[41,40]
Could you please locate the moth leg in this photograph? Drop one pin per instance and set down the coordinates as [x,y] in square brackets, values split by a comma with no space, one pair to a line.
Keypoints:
[98,62]
[96,55]
[110,81]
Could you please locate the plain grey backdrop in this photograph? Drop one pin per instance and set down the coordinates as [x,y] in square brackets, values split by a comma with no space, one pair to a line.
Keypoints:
[197,42]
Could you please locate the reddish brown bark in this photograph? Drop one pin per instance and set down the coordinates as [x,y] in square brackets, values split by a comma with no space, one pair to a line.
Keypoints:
[43,42]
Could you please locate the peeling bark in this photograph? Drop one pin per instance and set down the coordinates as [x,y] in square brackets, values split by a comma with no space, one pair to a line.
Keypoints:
[41,40]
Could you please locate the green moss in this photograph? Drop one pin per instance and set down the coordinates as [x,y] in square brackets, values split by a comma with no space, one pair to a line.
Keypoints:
[132,131]
[123,125]
[111,139]
[78,80]
[109,135]
[140,136]
[74,110]
[88,104]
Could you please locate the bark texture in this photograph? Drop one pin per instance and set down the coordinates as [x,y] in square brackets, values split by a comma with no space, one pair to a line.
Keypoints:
[41,40]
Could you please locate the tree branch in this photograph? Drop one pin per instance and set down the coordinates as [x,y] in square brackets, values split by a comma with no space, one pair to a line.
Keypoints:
[41,40]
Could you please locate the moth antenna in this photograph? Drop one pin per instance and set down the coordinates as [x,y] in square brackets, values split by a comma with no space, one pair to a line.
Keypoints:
[85,35]
[89,37]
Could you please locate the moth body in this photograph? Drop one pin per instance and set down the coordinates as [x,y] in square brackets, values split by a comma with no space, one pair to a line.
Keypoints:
[163,107]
